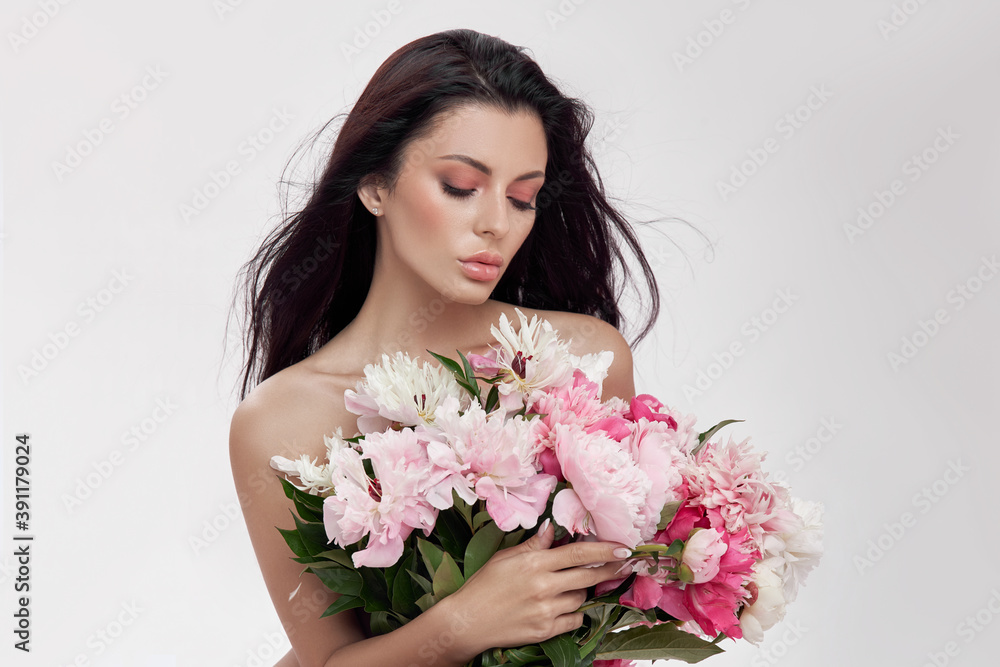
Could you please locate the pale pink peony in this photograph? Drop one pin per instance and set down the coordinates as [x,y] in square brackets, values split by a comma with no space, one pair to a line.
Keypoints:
[701,556]
[386,508]
[489,457]
[607,489]
[653,448]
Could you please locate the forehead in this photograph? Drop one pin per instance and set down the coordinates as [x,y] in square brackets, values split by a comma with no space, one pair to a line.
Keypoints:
[504,141]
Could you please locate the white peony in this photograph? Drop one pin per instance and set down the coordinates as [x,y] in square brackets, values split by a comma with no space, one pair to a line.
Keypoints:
[401,390]
[767,609]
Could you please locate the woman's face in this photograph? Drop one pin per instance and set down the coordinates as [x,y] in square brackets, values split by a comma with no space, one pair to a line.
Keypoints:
[466,192]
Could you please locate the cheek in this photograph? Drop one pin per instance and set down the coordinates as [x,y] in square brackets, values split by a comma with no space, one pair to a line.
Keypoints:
[428,213]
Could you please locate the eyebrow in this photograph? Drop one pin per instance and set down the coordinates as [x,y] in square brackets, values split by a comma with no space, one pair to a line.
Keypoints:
[472,162]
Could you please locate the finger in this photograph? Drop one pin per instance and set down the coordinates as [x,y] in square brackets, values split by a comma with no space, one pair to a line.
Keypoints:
[585,577]
[570,601]
[541,540]
[577,554]
[568,622]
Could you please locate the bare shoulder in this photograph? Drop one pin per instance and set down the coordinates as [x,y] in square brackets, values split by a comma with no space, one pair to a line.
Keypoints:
[288,414]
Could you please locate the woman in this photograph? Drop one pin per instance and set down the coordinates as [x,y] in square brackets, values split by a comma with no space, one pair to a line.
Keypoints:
[459,187]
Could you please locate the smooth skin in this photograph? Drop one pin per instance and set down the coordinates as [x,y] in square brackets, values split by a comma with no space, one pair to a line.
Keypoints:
[443,209]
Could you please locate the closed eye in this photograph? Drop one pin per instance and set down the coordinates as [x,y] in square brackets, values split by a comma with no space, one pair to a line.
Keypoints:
[462,194]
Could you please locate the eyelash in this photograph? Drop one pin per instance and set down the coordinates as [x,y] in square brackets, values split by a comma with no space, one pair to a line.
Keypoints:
[461,194]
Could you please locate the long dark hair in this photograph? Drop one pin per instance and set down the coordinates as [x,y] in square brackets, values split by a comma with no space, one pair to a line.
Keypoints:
[311,275]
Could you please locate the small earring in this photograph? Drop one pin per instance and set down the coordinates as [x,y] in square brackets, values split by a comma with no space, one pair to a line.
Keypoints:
[375,210]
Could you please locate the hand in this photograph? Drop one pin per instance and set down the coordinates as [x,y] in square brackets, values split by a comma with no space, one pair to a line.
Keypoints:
[531,592]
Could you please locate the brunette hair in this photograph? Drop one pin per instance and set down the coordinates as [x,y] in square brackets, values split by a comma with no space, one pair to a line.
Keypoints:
[311,275]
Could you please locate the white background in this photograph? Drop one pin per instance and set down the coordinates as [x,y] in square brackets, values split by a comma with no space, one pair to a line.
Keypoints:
[668,132]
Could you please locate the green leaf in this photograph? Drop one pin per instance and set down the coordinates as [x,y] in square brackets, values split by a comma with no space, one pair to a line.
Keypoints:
[447,578]
[492,399]
[450,364]
[313,535]
[480,519]
[404,591]
[463,508]
[294,542]
[470,375]
[511,539]
[523,656]
[421,581]
[453,532]
[296,494]
[659,642]
[668,513]
[382,623]
[481,547]
[703,438]
[339,580]
[337,556]
[562,651]
[431,553]
[374,591]
[343,603]
[426,601]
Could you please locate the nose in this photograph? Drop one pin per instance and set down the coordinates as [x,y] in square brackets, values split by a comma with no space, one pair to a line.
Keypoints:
[493,216]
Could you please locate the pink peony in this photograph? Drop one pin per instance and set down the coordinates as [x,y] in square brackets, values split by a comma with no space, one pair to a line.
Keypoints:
[729,478]
[386,508]
[713,604]
[489,457]
[607,490]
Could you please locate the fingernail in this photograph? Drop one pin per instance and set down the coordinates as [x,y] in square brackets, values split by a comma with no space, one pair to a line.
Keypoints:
[545,524]
[622,552]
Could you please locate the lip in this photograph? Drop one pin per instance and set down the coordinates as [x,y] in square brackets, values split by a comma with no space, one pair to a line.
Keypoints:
[480,270]
[485,257]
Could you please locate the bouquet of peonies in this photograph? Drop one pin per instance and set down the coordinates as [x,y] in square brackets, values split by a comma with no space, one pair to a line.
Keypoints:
[441,477]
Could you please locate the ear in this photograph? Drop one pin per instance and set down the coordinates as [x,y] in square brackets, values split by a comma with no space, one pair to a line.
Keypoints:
[371,192]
